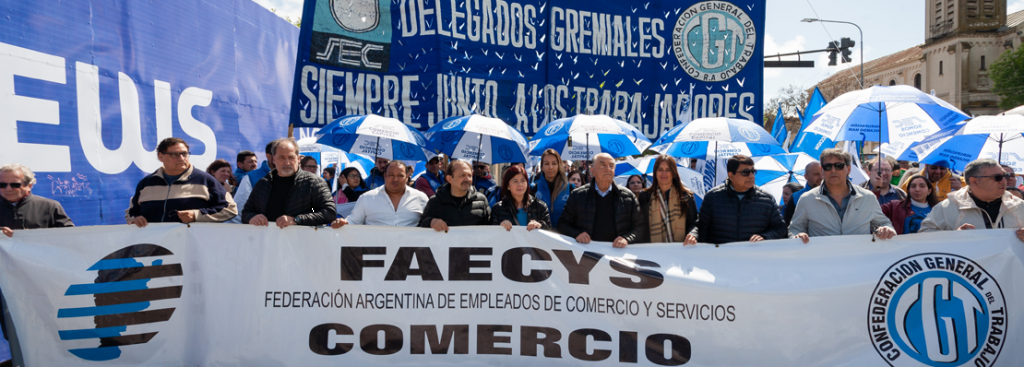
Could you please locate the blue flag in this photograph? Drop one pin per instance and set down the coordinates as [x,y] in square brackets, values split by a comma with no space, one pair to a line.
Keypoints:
[779,128]
[808,142]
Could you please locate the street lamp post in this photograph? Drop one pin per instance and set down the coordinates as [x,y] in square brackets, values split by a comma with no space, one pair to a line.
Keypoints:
[812,20]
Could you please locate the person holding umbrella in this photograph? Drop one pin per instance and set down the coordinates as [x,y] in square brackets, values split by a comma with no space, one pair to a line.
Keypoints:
[984,204]
[354,186]
[838,207]
[669,206]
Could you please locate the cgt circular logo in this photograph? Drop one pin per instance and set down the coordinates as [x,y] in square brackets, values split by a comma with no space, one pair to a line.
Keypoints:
[937,309]
[134,292]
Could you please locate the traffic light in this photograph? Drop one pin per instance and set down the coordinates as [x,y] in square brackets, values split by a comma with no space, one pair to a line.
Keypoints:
[832,50]
[845,45]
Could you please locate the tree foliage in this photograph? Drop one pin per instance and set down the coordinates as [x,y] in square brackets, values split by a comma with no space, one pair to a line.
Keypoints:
[1007,75]
[791,98]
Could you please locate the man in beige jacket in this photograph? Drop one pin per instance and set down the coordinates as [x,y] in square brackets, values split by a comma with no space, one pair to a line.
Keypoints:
[984,203]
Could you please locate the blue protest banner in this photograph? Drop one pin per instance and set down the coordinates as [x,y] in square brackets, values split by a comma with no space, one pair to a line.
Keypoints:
[530,62]
[88,89]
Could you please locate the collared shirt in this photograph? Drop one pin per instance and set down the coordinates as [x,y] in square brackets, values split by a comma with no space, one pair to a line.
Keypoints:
[894,193]
[376,209]
[841,209]
[605,192]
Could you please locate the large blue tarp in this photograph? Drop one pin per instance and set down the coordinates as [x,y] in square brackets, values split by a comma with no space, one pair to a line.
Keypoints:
[88,88]
[529,62]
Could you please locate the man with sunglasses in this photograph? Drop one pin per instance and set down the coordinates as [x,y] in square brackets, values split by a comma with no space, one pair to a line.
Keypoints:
[983,204]
[177,192]
[22,210]
[838,207]
[482,179]
[941,178]
[738,210]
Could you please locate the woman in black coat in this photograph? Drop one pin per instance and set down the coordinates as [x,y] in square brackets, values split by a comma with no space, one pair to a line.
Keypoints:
[517,206]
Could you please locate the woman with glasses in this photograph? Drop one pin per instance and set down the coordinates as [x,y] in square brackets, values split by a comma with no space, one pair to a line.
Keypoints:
[636,184]
[354,186]
[668,205]
[906,215]
[308,164]
[517,206]
[738,210]
[552,187]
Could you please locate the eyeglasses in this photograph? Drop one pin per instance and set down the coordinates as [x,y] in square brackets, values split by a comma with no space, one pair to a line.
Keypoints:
[997,178]
[747,172]
[14,185]
[829,166]
[353,176]
[178,155]
[309,166]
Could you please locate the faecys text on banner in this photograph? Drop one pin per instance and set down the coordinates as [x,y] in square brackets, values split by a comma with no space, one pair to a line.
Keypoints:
[215,294]
[529,62]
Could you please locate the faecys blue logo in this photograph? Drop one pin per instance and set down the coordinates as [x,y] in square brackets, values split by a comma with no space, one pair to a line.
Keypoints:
[937,309]
[133,293]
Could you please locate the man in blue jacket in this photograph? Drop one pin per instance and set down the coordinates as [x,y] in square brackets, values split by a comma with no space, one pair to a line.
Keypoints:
[177,192]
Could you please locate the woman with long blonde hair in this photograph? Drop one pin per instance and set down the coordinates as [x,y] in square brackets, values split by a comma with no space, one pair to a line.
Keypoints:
[552,187]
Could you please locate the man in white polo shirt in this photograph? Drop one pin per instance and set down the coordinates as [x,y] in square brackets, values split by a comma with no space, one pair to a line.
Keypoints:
[394,204]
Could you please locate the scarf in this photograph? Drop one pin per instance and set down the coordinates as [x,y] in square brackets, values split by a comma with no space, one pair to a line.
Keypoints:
[667,218]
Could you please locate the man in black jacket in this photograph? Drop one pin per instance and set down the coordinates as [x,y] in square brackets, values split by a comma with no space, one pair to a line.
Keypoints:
[288,195]
[737,210]
[456,203]
[602,210]
[19,209]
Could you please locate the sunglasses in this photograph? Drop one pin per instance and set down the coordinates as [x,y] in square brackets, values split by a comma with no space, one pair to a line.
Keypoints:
[829,166]
[14,185]
[747,172]
[997,178]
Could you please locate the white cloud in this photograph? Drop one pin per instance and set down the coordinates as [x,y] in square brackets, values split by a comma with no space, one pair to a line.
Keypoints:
[771,48]
[285,8]
[1015,7]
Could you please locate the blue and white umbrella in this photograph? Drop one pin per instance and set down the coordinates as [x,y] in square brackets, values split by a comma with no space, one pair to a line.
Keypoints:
[374,136]
[580,137]
[707,138]
[775,171]
[884,114]
[478,138]
[995,137]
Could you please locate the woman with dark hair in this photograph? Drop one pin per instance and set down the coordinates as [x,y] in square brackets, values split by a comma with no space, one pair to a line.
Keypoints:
[576,178]
[636,184]
[308,164]
[787,194]
[668,205]
[221,170]
[517,206]
[354,186]
[551,187]
[906,215]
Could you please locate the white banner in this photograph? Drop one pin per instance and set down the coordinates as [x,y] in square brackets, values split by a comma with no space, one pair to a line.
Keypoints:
[218,294]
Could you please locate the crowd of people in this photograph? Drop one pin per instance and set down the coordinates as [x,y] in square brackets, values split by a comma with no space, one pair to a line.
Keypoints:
[584,204]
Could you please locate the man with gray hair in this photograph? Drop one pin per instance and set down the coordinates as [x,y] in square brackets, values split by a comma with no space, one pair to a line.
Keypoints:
[288,195]
[602,210]
[22,210]
[838,207]
[984,203]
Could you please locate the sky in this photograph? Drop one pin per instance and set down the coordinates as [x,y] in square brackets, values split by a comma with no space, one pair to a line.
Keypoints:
[889,27]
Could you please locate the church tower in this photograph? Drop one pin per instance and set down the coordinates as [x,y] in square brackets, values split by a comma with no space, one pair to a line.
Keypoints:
[948,17]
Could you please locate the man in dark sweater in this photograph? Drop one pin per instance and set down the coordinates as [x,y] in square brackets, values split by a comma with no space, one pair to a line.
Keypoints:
[456,203]
[289,196]
[602,210]
[19,209]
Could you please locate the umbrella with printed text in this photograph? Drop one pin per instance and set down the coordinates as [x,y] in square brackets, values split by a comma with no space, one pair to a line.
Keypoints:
[376,136]
[996,137]
[478,138]
[580,137]
[710,138]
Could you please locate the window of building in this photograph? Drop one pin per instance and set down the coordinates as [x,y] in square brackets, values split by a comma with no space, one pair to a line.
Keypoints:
[940,67]
[892,82]
[917,81]
[982,62]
